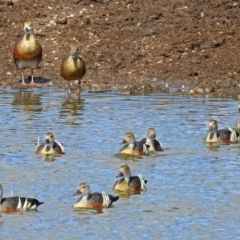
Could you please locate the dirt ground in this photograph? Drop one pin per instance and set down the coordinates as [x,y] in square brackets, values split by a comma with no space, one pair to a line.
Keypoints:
[188,46]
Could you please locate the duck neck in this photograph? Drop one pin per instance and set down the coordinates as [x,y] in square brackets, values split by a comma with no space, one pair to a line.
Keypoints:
[51,143]
[28,37]
[212,136]
[132,144]
[127,177]
[150,140]
[86,193]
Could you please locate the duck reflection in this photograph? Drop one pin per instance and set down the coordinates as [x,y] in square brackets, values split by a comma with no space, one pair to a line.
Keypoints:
[72,106]
[128,157]
[30,101]
[50,158]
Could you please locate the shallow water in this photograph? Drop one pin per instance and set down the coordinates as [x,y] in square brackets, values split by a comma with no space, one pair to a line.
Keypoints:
[193,189]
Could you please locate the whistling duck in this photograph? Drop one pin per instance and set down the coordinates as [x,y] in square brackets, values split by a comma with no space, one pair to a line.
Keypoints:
[131,146]
[17,204]
[73,68]
[151,141]
[128,182]
[93,200]
[50,146]
[27,53]
[225,136]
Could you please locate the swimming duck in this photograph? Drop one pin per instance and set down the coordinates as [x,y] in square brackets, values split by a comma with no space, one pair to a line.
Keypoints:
[27,53]
[17,204]
[73,68]
[131,146]
[93,200]
[129,183]
[237,127]
[225,136]
[151,141]
[50,146]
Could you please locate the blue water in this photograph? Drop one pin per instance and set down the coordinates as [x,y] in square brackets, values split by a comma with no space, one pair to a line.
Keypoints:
[193,189]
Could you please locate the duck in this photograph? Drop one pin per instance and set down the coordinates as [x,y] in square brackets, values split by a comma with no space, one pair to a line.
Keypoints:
[93,200]
[225,136]
[237,127]
[17,204]
[50,146]
[151,141]
[27,53]
[129,183]
[131,146]
[73,68]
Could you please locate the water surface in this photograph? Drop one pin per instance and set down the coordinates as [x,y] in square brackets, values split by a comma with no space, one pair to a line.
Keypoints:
[193,189]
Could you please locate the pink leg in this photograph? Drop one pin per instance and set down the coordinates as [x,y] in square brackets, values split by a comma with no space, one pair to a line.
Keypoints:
[69,88]
[32,80]
[23,80]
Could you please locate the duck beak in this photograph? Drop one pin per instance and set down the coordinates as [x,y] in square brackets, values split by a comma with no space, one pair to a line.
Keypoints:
[124,141]
[26,29]
[152,135]
[78,192]
[74,55]
[209,129]
[119,175]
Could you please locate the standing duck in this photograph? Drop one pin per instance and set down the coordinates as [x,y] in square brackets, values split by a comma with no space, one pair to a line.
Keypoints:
[225,136]
[151,141]
[17,204]
[129,183]
[50,146]
[93,200]
[73,68]
[27,53]
[131,146]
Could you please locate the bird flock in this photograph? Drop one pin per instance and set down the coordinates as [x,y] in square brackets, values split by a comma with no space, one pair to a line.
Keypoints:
[126,184]
[27,53]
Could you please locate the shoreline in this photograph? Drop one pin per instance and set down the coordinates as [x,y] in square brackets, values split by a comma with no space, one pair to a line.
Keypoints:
[130,45]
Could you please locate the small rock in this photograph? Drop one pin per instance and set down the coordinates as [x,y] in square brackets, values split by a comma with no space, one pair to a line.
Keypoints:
[62,21]
[52,22]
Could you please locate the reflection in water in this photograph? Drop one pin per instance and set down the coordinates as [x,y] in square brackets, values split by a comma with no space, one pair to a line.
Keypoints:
[128,157]
[127,194]
[30,101]
[50,157]
[213,146]
[193,189]
[71,106]
[87,210]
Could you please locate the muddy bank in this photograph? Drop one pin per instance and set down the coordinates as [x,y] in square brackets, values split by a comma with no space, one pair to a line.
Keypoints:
[134,46]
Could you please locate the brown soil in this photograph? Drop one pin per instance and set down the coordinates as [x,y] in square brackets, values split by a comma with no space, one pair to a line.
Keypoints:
[134,46]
